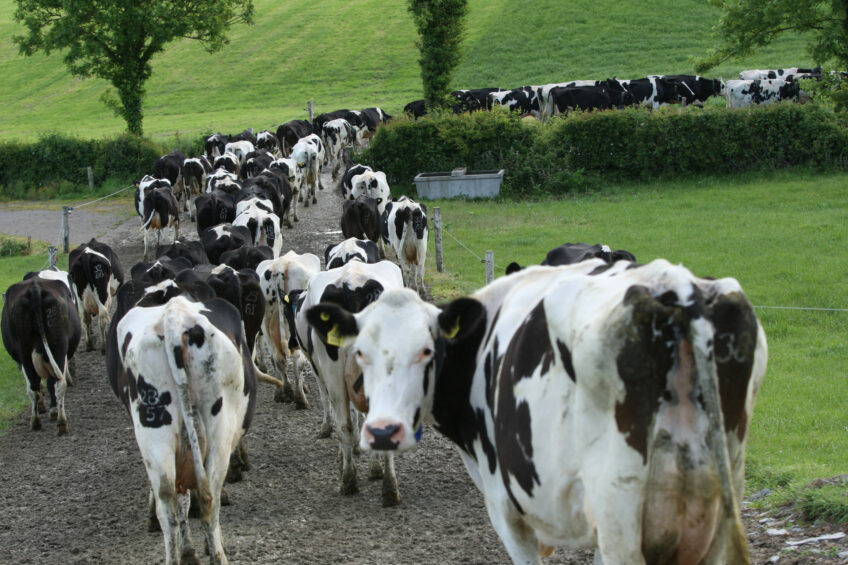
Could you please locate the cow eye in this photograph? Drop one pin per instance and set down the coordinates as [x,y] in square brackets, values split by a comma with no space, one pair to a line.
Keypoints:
[427,352]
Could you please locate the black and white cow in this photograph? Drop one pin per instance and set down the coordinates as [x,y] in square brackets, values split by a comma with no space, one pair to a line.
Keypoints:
[744,93]
[218,239]
[306,156]
[278,277]
[263,224]
[194,180]
[790,73]
[246,256]
[338,136]
[214,145]
[170,167]
[222,181]
[346,184]
[524,99]
[416,108]
[256,162]
[41,331]
[352,117]
[372,184]
[543,93]
[267,140]
[352,249]
[473,100]
[288,169]
[653,91]
[694,89]
[94,284]
[372,118]
[185,368]
[157,207]
[404,227]
[164,268]
[241,149]
[191,250]
[593,405]
[570,253]
[361,219]
[351,288]
[608,94]
[213,209]
[290,133]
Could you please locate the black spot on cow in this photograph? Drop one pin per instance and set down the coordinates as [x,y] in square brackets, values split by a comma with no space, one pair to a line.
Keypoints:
[600,269]
[196,336]
[427,377]
[178,357]
[127,340]
[216,407]
[416,419]
[565,355]
[647,356]
[268,275]
[152,411]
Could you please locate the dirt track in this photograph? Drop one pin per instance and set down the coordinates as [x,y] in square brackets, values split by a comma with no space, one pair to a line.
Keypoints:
[82,498]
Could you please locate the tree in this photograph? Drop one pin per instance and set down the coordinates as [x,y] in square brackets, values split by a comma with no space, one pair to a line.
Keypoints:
[441,26]
[746,25]
[116,39]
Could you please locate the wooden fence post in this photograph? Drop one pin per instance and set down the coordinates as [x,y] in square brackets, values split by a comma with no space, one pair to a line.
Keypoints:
[311,110]
[65,228]
[490,266]
[52,254]
[437,229]
[90,172]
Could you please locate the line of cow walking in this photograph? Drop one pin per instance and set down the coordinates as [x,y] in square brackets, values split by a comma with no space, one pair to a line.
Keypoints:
[596,402]
[754,87]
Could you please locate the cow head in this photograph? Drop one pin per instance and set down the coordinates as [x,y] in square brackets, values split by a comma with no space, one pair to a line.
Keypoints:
[399,369]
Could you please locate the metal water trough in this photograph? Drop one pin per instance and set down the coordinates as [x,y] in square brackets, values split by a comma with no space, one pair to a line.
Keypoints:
[459,182]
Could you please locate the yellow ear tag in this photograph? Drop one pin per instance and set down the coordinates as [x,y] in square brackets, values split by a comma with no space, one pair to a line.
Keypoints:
[455,330]
[325,317]
[334,337]
[286,298]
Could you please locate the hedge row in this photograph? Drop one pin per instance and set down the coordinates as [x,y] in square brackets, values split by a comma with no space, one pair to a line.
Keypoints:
[56,164]
[585,150]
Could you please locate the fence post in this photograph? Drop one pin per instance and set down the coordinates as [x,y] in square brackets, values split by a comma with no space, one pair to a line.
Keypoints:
[309,106]
[490,266]
[437,229]
[90,172]
[52,253]
[65,211]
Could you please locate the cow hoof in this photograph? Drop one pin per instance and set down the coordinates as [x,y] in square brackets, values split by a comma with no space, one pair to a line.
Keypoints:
[349,486]
[314,200]
[89,347]
[153,524]
[62,429]
[284,394]
[234,474]
[103,350]
[289,225]
[189,557]
[301,403]
[54,414]
[225,498]
[375,473]
[300,198]
[324,432]
[357,450]
[35,424]
[193,506]
[390,499]
[296,219]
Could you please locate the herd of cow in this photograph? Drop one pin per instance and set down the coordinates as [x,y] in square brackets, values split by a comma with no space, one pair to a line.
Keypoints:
[596,402]
[753,87]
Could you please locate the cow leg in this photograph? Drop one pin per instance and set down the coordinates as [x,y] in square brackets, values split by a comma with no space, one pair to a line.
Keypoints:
[297,376]
[103,319]
[518,538]
[89,340]
[62,424]
[293,209]
[216,467]
[152,520]
[72,371]
[35,398]
[286,392]
[51,389]
[391,494]
[344,430]
[146,256]
[326,428]
[188,556]
[354,418]
[176,229]
[167,511]
[375,466]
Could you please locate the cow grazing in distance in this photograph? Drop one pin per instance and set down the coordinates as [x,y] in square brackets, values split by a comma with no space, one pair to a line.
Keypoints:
[524,99]
[475,99]
[214,209]
[404,227]
[291,132]
[246,256]
[570,253]
[543,94]
[416,108]
[351,288]
[790,73]
[744,93]
[218,239]
[695,89]
[191,250]
[94,284]
[41,331]
[351,249]
[278,277]
[608,94]
[188,370]
[653,91]
[594,405]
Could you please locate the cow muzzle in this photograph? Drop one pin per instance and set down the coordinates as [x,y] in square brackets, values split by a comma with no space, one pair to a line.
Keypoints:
[384,436]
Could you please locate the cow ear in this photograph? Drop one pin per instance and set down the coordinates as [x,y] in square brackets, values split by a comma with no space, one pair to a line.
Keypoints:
[333,323]
[461,318]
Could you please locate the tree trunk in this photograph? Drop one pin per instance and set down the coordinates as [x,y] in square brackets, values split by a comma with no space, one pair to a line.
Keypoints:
[131,94]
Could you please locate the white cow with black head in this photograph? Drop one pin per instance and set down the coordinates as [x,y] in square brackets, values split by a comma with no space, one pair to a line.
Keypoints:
[594,405]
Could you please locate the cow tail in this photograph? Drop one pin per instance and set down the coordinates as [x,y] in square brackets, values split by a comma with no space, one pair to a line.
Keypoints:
[707,378]
[176,348]
[39,320]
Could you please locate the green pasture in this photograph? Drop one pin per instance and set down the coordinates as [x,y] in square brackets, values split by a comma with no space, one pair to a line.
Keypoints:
[782,235]
[359,53]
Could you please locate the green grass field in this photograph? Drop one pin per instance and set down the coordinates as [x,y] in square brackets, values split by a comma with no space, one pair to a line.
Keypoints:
[346,53]
[782,236]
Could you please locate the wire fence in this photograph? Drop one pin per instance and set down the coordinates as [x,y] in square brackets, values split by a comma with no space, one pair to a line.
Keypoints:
[797,308]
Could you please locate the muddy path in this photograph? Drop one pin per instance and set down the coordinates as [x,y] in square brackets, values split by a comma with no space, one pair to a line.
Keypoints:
[82,498]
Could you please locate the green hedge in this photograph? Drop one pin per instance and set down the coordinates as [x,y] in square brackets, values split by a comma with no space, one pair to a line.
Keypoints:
[584,150]
[56,164]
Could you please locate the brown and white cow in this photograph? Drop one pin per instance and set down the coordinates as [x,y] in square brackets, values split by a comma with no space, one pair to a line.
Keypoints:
[594,405]
[41,331]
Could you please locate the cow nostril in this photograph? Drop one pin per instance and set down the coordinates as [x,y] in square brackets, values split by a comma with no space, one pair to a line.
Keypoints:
[383,437]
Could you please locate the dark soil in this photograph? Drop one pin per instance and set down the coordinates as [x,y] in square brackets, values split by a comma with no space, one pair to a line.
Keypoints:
[82,498]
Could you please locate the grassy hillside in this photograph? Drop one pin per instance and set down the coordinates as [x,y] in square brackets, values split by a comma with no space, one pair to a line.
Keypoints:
[357,53]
